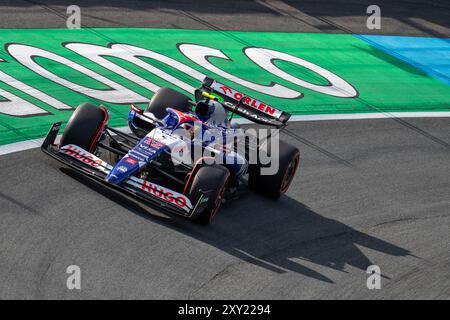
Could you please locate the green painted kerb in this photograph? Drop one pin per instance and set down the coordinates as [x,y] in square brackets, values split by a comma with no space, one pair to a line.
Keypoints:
[384,83]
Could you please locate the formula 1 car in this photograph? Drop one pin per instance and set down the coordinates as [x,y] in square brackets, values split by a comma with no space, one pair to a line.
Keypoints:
[154,162]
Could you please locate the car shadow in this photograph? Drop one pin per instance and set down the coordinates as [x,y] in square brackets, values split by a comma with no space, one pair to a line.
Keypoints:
[279,236]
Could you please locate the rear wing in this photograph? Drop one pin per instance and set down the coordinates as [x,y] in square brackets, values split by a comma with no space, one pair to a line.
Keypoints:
[243,105]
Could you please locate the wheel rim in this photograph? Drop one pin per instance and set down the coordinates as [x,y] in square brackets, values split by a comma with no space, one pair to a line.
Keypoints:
[290,173]
[217,203]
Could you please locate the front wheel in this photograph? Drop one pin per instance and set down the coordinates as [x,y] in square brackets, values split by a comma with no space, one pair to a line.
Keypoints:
[211,181]
[84,126]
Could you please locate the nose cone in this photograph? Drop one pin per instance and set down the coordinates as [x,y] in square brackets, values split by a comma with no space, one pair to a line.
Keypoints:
[123,169]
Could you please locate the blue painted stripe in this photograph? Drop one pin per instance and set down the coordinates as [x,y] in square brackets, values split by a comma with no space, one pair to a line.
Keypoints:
[430,55]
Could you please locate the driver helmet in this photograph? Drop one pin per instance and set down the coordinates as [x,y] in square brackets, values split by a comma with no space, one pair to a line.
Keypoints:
[212,113]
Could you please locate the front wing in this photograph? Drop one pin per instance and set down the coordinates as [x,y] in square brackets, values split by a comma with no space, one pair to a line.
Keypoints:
[90,165]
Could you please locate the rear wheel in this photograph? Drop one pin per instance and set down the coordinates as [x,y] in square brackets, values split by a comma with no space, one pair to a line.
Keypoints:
[162,99]
[276,184]
[84,126]
[168,98]
[211,180]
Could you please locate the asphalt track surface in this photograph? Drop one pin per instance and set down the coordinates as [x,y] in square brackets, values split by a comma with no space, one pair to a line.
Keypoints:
[399,17]
[367,192]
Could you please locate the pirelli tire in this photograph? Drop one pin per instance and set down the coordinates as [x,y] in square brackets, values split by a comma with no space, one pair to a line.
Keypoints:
[278,183]
[168,98]
[211,180]
[85,126]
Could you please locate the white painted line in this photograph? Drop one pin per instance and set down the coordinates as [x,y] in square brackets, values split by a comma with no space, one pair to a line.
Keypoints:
[375,115]
[36,143]
[20,146]
[351,116]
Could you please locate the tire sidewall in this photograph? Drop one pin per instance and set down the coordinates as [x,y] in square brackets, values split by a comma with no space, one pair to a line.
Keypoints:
[212,178]
[84,126]
[270,185]
[167,98]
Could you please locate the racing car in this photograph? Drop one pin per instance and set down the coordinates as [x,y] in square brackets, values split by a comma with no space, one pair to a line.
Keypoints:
[154,162]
